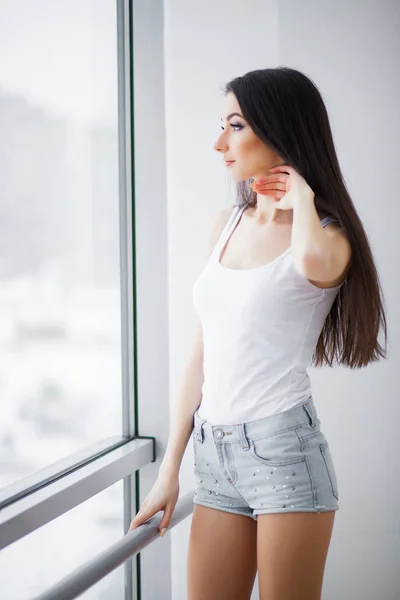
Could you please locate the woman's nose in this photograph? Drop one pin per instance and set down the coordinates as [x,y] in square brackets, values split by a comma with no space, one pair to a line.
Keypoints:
[219,145]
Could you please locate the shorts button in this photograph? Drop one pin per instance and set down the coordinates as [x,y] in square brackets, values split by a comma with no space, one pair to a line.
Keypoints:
[219,433]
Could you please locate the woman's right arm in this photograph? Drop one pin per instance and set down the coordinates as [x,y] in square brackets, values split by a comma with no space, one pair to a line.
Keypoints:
[189,397]
[165,492]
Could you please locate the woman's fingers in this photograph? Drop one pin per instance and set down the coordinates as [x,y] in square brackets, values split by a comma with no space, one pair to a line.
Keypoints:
[270,186]
[267,191]
[280,177]
[165,521]
[142,517]
[283,168]
[163,497]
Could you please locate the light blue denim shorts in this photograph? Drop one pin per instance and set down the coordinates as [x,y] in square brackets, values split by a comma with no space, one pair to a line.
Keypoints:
[281,463]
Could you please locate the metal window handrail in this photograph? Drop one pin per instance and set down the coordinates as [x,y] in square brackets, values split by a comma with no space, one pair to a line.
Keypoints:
[95,569]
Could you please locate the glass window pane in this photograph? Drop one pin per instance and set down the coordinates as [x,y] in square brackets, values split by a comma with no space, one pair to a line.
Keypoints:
[50,553]
[60,332]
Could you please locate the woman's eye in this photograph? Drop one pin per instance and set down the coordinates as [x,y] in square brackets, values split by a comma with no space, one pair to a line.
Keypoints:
[233,125]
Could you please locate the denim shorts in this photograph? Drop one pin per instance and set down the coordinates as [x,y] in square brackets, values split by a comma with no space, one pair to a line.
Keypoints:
[281,463]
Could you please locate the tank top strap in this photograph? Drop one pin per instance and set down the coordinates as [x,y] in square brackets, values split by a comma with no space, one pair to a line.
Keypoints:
[228,229]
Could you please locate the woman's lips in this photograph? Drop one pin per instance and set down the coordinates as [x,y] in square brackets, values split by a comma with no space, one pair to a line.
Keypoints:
[228,163]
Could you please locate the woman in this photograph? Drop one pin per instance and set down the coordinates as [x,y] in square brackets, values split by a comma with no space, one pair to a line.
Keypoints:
[290,282]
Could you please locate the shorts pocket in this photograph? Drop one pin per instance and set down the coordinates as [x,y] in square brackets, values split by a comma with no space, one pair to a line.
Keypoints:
[326,455]
[277,450]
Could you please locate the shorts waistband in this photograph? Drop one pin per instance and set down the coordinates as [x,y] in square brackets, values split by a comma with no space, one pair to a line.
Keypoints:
[243,433]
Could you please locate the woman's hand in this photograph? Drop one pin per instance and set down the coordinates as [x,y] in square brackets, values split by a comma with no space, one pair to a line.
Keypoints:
[163,496]
[286,185]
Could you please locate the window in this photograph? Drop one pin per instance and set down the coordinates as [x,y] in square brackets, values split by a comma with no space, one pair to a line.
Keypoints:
[66,543]
[72,245]
[60,298]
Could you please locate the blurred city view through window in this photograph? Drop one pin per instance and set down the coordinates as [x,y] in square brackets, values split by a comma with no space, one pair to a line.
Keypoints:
[60,329]
[53,551]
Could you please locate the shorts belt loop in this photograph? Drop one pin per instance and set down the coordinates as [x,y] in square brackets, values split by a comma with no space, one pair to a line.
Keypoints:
[243,437]
[308,410]
[198,428]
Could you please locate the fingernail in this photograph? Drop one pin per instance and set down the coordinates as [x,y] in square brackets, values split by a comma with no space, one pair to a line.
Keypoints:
[163,530]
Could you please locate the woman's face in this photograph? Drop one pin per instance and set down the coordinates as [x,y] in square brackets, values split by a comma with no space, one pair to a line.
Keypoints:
[238,143]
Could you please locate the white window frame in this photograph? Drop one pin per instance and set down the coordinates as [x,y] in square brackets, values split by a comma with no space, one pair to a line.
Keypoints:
[36,500]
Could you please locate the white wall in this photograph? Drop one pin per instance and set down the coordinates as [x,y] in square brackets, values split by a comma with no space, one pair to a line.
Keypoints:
[351,50]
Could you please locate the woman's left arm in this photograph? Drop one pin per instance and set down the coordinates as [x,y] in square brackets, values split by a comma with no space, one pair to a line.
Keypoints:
[320,253]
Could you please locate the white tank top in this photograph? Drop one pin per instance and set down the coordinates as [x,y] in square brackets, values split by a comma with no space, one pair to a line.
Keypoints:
[260,331]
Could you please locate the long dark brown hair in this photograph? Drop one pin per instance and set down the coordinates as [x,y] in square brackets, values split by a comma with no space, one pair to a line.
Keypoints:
[286,111]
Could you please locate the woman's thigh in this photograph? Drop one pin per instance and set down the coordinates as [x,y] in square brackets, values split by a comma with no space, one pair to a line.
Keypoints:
[222,555]
[291,554]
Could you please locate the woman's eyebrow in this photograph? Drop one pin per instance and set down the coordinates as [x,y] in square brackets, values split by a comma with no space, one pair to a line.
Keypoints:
[232,115]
